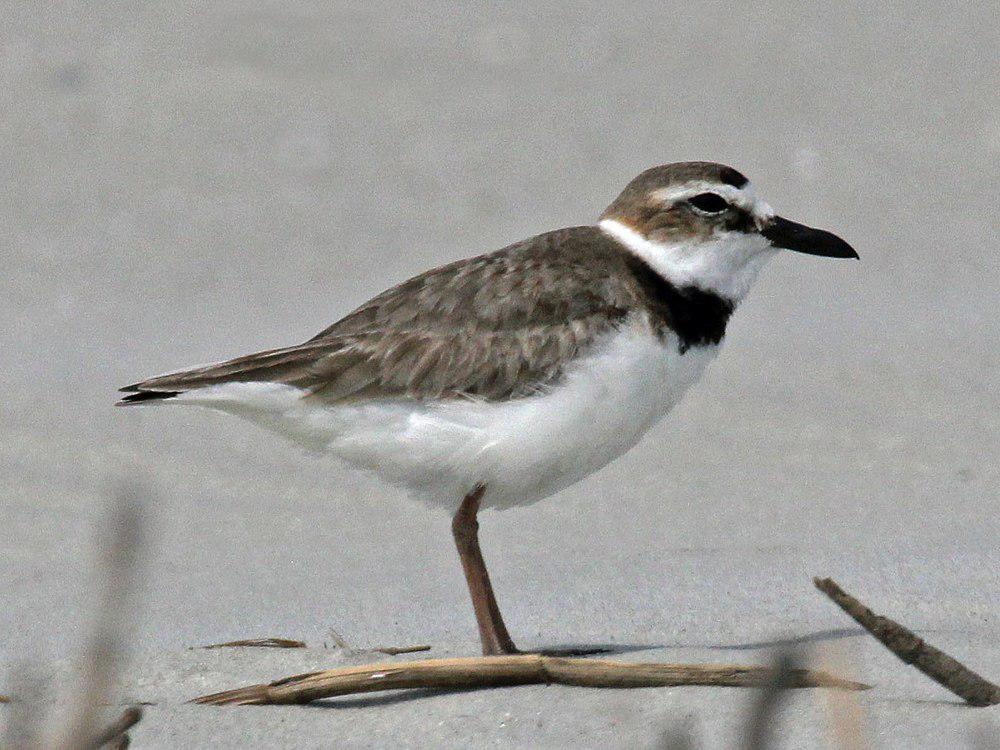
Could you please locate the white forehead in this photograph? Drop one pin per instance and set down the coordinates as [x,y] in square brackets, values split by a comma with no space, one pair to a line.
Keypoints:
[743,197]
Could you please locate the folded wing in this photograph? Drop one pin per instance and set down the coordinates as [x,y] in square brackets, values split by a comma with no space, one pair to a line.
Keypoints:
[494,327]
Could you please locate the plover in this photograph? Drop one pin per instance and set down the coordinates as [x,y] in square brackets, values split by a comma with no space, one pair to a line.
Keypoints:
[498,380]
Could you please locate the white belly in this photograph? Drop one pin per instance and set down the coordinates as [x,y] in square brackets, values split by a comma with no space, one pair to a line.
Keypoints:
[522,450]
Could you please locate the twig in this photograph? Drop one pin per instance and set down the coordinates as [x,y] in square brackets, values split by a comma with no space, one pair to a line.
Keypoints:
[908,646]
[499,671]
[257,643]
[103,654]
[119,550]
[116,730]
[289,643]
[397,650]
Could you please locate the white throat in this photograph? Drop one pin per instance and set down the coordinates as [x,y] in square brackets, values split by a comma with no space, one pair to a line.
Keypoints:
[727,264]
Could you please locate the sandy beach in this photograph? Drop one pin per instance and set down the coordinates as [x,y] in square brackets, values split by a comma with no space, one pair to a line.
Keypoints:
[184,183]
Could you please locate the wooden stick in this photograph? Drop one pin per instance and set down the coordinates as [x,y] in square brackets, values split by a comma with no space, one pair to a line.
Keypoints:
[257,643]
[397,650]
[116,731]
[289,643]
[103,655]
[342,644]
[908,646]
[499,671]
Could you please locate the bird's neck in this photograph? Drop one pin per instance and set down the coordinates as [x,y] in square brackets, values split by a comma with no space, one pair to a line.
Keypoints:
[725,265]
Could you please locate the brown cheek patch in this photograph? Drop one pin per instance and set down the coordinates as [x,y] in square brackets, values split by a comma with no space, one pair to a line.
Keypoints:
[675,222]
[665,225]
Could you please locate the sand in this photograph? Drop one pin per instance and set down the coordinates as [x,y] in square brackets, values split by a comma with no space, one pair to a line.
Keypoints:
[183,184]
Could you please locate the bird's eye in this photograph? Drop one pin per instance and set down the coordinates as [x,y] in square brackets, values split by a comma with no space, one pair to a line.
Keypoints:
[710,203]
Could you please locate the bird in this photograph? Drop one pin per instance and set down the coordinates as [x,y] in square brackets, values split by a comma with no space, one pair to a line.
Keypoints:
[498,380]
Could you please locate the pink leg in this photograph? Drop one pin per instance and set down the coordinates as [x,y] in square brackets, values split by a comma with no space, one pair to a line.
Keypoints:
[465,529]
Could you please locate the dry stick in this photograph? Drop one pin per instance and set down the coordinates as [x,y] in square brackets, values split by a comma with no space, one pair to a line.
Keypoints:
[257,643]
[341,643]
[288,643]
[116,730]
[103,654]
[501,671]
[908,646]
[397,650]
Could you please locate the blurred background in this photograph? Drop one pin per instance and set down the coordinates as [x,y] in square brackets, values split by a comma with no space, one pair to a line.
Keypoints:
[186,182]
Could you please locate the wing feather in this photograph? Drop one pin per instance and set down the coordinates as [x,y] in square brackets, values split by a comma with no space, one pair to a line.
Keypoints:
[493,327]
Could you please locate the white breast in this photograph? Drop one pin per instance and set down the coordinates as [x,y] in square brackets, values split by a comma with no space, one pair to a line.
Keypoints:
[522,450]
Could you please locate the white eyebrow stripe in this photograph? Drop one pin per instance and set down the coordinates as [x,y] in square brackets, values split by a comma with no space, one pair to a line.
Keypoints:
[739,197]
[688,189]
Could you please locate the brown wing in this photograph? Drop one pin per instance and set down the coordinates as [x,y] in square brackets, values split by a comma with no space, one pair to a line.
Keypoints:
[494,327]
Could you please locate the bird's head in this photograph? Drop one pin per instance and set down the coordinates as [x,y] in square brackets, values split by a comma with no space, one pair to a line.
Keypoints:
[700,224]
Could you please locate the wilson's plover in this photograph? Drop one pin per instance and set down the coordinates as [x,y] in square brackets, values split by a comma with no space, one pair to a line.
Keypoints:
[501,379]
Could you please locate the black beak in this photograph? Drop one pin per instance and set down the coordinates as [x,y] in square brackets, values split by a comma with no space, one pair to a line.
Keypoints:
[803,239]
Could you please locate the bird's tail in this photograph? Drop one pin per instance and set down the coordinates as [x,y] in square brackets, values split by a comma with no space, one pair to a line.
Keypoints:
[284,365]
